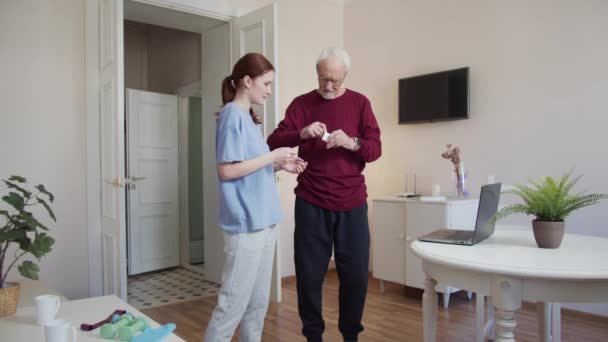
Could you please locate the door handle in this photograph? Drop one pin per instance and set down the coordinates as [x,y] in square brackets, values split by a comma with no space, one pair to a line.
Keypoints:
[131,182]
[118,181]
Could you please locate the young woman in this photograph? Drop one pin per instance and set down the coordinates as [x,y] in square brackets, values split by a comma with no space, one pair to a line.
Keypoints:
[249,202]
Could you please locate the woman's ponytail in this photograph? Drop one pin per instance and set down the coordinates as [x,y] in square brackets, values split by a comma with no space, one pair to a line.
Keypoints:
[228,90]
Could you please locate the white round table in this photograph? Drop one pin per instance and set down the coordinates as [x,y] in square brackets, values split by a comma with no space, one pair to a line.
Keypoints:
[510,268]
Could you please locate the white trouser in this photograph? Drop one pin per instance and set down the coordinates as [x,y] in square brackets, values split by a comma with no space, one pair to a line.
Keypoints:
[245,286]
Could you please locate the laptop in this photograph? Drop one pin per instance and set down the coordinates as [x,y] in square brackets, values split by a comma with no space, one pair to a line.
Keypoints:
[488,205]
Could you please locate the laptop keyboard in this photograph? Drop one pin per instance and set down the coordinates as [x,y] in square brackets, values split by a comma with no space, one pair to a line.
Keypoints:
[460,235]
[450,234]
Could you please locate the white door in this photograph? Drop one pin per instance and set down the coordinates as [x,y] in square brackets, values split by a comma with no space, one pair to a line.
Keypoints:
[153,193]
[111,108]
[256,32]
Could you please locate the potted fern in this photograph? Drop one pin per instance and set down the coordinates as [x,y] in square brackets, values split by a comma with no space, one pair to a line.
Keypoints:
[550,201]
[20,228]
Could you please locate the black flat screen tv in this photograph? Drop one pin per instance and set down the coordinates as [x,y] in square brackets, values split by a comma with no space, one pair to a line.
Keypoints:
[434,97]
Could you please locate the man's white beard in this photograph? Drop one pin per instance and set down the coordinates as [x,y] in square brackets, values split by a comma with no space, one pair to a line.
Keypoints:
[328,95]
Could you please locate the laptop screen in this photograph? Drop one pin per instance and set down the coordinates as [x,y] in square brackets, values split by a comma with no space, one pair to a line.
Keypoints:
[488,206]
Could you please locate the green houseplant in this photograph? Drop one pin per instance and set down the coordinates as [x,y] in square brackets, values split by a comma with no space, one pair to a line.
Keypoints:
[19,227]
[551,202]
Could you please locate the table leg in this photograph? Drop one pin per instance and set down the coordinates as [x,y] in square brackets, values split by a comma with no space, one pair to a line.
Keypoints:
[381,286]
[556,322]
[491,320]
[480,317]
[429,310]
[543,317]
[506,296]
[505,324]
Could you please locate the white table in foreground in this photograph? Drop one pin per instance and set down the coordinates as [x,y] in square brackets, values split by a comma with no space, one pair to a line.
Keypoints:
[510,268]
[22,326]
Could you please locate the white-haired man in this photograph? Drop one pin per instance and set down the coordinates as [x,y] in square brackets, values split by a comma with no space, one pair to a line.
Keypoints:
[337,134]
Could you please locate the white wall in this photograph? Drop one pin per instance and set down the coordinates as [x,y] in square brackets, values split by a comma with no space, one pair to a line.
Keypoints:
[538,83]
[42,123]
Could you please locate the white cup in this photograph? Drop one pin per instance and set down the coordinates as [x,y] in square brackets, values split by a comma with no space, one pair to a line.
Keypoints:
[436,190]
[59,330]
[47,307]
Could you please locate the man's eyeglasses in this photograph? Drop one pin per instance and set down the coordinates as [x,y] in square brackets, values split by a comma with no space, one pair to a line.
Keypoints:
[335,82]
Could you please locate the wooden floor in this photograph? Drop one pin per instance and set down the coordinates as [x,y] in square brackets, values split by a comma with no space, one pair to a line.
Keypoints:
[388,317]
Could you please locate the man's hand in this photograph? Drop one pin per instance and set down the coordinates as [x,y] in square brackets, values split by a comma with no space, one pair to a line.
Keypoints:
[315,129]
[339,139]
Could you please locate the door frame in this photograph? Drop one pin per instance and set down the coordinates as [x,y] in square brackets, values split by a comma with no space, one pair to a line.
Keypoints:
[183,95]
[184,206]
[214,9]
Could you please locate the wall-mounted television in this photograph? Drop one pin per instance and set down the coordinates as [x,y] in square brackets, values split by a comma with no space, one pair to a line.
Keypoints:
[434,97]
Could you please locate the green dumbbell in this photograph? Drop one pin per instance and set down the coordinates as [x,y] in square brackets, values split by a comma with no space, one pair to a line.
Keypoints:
[108,330]
[126,333]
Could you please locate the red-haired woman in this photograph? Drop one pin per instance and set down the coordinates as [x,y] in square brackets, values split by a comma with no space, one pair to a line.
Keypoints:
[249,201]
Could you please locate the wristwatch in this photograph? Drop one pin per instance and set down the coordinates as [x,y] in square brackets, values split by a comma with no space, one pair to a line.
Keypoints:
[357,142]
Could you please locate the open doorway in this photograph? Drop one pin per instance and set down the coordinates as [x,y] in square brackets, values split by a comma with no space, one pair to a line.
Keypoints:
[164,152]
[107,174]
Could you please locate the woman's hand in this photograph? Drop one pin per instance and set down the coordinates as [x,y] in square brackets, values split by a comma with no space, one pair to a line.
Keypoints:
[296,166]
[284,155]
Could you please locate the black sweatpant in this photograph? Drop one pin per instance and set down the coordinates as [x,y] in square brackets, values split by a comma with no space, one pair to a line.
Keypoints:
[317,230]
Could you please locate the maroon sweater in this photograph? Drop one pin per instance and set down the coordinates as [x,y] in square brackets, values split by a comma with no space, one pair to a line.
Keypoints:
[333,178]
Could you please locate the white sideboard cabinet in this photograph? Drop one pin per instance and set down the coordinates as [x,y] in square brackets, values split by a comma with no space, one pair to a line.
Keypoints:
[398,221]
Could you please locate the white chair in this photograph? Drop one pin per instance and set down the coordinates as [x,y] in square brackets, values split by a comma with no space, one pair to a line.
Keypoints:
[446,296]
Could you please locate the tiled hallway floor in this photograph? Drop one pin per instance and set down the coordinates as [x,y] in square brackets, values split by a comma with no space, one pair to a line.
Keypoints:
[167,287]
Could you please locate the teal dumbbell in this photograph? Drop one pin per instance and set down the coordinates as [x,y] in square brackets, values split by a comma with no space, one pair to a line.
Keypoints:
[109,330]
[126,333]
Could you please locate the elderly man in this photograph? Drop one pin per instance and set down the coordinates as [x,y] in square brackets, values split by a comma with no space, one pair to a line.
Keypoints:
[337,134]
